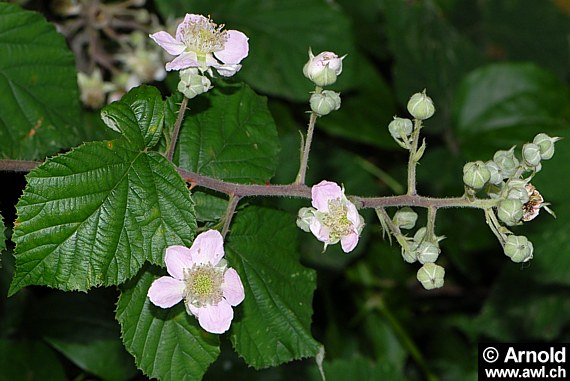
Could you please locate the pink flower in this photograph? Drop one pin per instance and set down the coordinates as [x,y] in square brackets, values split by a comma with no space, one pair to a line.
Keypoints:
[200,277]
[201,43]
[333,217]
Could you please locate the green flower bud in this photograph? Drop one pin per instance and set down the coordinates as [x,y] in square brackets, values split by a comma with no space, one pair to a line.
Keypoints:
[420,235]
[495,172]
[324,68]
[400,128]
[518,248]
[546,145]
[510,211]
[405,218]
[431,276]
[193,83]
[420,106]
[325,102]
[531,154]
[304,218]
[476,174]
[507,162]
[409,254]
[427,252]
[518,193]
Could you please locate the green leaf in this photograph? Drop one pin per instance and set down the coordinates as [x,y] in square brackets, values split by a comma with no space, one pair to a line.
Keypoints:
[357,368]
[209,207]
[29,360]
[40,101]
[281,33]
[275,324]
[503,104]
[94,215]
[167,344]
[82,327]
[228,134]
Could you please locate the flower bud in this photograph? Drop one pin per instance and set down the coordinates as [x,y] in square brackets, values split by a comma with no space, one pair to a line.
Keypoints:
[431,276]
[476,174]
[531,154]
[405,218]
[400,128]
[427,252]
[420,106]
[192,83]
[420,235]
[304,218]
[510,211]
[323,68]
[495,171]
[518,248]
[325,102]
[409,253]
[518,193]
[507,162]
[546,145]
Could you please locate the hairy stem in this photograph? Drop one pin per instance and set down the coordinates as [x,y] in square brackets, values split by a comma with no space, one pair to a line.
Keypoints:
[412,162]
[176,130]
[232,205]
[305,154]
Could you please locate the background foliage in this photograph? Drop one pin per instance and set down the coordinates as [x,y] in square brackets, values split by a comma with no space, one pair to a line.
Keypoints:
[498,73]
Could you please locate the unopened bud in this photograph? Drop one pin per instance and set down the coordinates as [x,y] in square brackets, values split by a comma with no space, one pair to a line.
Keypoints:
[431,276]
[193,83]
[531,154]
[420,106]
[476,174]
[405,218]
[495,172]
[546,145]
[510,211]
[427,252]
[324,68]
[518,248]
[325,102]
[507,162]
[400,128]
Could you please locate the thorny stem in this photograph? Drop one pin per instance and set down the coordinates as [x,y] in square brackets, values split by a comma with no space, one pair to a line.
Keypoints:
[494,225]
[296,190]
[232,205]
[308,140]
[176,130]
[430,227]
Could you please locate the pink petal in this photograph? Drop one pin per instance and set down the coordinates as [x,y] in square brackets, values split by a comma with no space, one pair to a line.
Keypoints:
[168,43]
[352,214]
[323,192]
[166,292]
[349,242]
[235,49]
[183,61]
[178,258]
[319,230]
[208,247]
[215,319]
[232,288]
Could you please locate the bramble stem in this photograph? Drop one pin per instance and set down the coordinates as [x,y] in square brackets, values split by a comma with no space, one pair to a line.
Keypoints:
[176,130]
[308,140]
[232,205]
[412,162]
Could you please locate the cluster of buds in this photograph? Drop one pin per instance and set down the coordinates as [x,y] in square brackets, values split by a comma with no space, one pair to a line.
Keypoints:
[323,70]
[421,107]
[507,178]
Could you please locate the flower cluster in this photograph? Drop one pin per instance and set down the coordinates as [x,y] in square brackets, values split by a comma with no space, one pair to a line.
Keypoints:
[200,277]
[323,70]
[332,218]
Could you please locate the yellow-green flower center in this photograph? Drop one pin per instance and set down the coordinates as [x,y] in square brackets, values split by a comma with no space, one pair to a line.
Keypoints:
[203,285]
[204,37]
[337,219]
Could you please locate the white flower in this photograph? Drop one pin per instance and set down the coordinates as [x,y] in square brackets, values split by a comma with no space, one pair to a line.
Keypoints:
[200,277]
[333,217]
[201,43]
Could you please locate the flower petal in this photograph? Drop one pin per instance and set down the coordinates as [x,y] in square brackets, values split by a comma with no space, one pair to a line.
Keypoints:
[168,43]
[227,70]
[323,192]
[178,258]
[166,292]
[349,242]
[208,247]
[235,49]
[352,214]
[320,231]
[215,319]
[183,61]
[232,288]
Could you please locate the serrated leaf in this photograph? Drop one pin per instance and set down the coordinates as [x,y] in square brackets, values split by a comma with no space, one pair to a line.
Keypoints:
[94,215]
[500,105]
[281,33]
[275,326]
[40,102]
[229,134]
[82,327]
[167,343]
